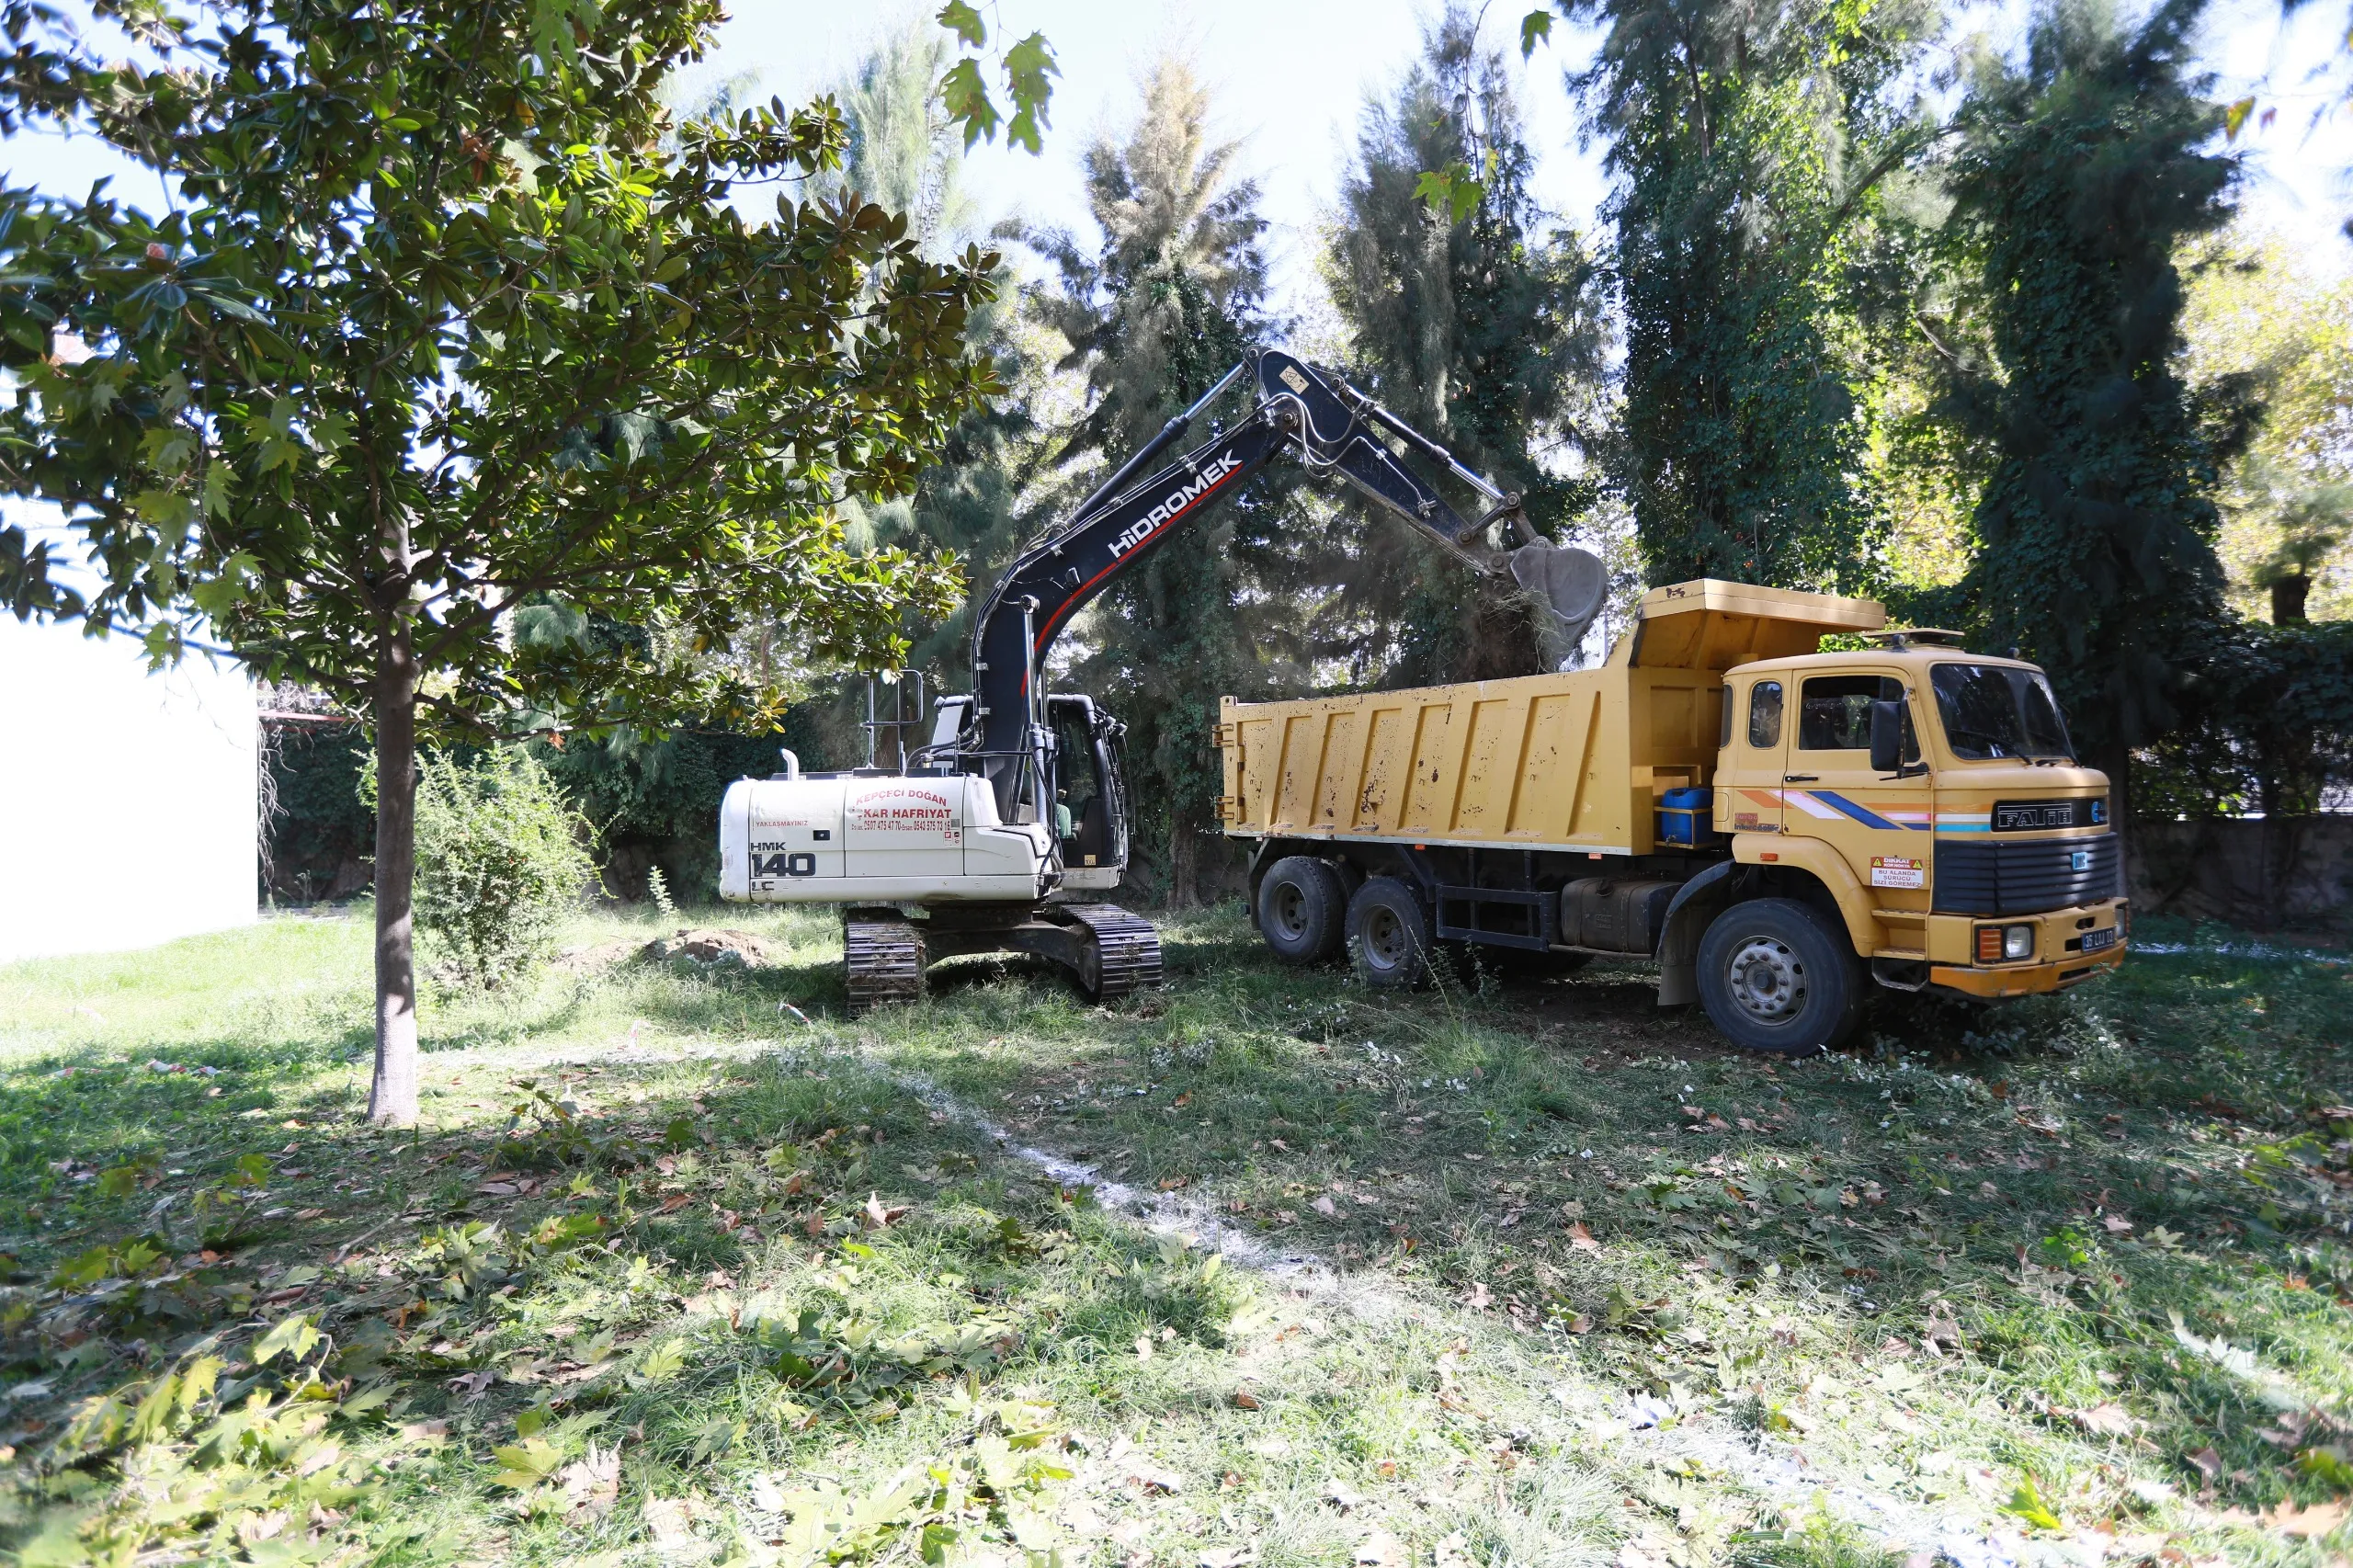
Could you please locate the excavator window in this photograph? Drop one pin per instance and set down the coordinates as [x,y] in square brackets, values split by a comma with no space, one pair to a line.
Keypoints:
[1078,786]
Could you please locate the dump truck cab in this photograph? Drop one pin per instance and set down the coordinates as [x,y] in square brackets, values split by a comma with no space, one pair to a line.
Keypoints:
[1781,829]
[1973,853]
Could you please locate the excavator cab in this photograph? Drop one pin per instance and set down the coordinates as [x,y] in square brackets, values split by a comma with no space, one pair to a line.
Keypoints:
[1090,795]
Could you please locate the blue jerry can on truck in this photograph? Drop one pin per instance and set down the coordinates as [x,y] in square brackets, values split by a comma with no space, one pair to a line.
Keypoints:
[1687,817]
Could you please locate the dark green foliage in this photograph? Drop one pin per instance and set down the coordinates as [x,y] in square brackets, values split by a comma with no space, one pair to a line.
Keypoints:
[979,498]
[2078,176]
[2265,724]
[1752,142]
[253,393]
[323,832]
[1483,331]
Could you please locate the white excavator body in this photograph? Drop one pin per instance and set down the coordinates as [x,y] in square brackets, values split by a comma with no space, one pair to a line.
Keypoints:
[877,839]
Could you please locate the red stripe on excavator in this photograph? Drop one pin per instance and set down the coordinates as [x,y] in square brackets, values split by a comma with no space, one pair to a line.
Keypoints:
[1047,631]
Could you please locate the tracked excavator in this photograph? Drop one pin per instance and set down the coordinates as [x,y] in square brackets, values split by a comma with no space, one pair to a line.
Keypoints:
[1005,830]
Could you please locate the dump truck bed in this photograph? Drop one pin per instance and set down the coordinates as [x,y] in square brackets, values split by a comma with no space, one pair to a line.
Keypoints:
[1572,761]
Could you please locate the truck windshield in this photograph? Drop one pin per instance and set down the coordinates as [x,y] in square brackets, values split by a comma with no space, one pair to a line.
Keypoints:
[1993,710]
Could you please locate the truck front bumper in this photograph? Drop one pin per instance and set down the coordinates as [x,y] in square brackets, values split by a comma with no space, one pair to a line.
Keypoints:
[2058,959]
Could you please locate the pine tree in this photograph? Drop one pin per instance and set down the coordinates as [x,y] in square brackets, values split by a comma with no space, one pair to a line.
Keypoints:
[2079,179]
[1751,140]
[1168,300]
[1483,330]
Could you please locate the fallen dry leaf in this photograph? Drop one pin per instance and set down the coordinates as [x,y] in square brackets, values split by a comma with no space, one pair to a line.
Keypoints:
[1154,1478]
[2309,1524]
[1340,1495]
[672,1521]
[2108,1418]
[1381,1549]
[1323,1205]
[2117,1224]
[1581,1238]
[592,1482]
[1245,1400]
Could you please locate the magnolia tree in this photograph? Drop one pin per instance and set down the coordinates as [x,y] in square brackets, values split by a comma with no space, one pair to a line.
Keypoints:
[446,316]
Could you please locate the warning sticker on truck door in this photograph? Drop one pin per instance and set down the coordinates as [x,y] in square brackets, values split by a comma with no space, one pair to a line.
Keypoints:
[1898,871]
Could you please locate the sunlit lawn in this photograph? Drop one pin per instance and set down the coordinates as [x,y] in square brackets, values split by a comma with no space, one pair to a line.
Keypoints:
[2078,1271]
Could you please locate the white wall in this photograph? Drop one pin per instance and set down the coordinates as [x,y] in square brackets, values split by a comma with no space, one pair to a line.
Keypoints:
[127,800]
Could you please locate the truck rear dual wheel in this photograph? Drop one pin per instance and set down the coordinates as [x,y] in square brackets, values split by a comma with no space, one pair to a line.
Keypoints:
[1302,910]
[1775,977]
[1389,935]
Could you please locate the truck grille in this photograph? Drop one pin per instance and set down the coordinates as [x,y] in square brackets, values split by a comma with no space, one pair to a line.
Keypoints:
[2025,877]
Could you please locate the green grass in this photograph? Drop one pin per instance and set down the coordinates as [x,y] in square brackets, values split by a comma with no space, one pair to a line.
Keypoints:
[1585,1283]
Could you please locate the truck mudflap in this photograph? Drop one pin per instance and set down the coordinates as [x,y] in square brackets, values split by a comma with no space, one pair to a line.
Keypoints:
[1697,903]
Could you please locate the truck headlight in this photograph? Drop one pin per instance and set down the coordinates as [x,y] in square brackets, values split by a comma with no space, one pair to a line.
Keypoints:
[2005,944]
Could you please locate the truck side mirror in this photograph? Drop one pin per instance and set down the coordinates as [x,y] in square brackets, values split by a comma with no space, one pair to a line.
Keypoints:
[1887,737]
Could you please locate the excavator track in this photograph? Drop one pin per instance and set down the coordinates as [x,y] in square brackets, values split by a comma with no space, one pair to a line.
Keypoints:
[1126,949]
[882,959]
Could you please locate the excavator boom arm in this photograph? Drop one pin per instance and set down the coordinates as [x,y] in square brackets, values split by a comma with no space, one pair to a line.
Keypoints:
[1328,425]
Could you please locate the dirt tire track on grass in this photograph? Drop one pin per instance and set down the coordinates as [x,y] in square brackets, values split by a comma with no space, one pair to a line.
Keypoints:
[1776,1471]
[1772,1469]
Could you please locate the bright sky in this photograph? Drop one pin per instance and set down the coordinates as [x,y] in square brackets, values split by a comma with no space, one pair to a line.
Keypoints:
[1291,78]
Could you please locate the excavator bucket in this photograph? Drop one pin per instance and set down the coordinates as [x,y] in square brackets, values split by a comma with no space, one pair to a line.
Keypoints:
[1569,582]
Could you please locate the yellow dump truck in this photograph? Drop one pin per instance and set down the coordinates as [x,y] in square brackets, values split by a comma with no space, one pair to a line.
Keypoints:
[1779,828]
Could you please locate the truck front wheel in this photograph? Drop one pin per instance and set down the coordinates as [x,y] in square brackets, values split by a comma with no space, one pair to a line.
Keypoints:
[1775,977]
[1302,910]
[1389,935]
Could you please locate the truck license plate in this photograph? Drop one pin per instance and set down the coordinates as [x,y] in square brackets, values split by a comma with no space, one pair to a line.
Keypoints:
[2100,942]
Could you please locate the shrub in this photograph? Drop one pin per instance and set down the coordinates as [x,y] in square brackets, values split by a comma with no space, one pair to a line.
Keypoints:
[2267,725]
[501,859]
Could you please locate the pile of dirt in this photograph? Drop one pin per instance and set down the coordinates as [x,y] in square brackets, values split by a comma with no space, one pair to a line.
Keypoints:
[597,959]
[710,946]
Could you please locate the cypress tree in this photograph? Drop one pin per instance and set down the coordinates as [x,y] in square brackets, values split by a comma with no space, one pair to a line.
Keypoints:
[1487,332]
[1752,142]
[2080,175]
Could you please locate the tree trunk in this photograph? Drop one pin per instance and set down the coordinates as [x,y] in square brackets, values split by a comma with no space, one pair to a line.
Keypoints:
[391,1099]
[2288,594]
